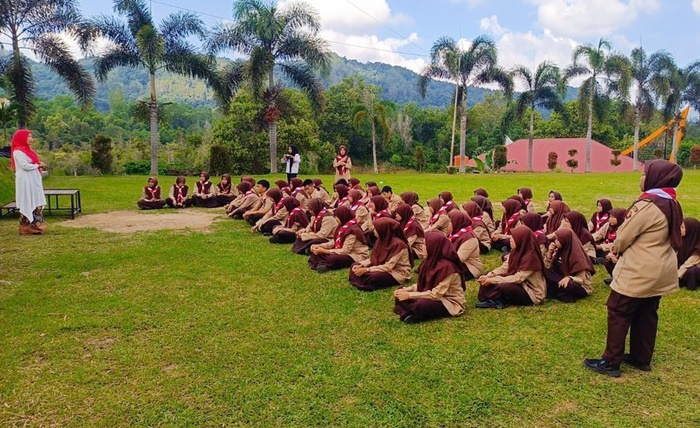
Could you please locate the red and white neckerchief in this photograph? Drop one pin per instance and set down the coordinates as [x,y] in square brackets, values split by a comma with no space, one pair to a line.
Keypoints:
[409,223]
[318,218]
[382,213]
[357,205]
[600,220]
[461,232]
[477,219]
[290,217]
[341,234]
[248,193]
[279,206]
[203,188]
[286,190]
[179,197]
[344,200]
[153,191]
[527,202]
[297,190]
[341,168]
[223,189]
[434,218]
[448,204]
[663,192]
[539,233]
[610,237]
[510,222]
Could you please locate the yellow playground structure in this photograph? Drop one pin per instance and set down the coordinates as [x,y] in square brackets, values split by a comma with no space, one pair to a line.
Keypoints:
[681,118]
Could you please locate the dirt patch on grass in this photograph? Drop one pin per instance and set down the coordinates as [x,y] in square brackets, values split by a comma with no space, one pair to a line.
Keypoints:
[130,221]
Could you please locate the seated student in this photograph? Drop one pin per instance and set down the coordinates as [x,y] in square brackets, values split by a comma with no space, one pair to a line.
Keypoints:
[342,181]
[439,292]
[286,233]
[371,191]
[340,197]
[466,243]
[390,262]
[500,239]
[689,254]
[299,192]
[177,197]
[261,206]
[521,201]
[601,216]
[371,184]
[533,222]
[568,270]
[204,195]
[421,214]
[270,203]
[320,229]
[273,218]
[150,196]
[448,202]
[348,247]
[241,189]
[249,179]
[526,194]
[412,229]
[478,226]
[520,280]
[557,211]
[224,191]
[605,240]
[576,221]
[362,214]
[439,220]
[553,196]
[393,200]
[486,212]
[249,200]
[354,184]
[378,207]
[283,188]
[321,192]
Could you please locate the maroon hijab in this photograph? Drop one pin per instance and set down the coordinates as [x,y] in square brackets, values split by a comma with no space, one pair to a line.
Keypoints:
[390,241]
[660,182]
[243,187]
[380,203]
[559,209]
[691,240]
[346,216]
[525,193]
[523,204]
[527,255]
[441,262]
[408,222]
[373,191]
[448,201]
[474,212]
[275,194]
[296,182]
[598,219]
[316,205]
[511,209]
[342,191]
[410,198]
[533,221]
[356,196]
[579,226]
[481,192]
[484,204]
[572,257]
[557,195]
[461,228]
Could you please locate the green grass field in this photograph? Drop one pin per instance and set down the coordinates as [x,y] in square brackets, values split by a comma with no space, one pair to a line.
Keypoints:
[224,329]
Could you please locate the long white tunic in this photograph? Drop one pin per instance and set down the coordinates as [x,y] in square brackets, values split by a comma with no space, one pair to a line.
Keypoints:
[29,190]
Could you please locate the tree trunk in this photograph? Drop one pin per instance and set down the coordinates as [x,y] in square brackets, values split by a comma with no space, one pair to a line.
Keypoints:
[530,143]
[374,143]
[153,116]
[637,122]
[272,130]
[454,122]
[463,131]
[22,111]
[674,149]
[589,130]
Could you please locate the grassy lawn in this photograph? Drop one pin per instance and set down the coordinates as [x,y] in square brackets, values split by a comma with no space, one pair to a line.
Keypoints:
[217,329]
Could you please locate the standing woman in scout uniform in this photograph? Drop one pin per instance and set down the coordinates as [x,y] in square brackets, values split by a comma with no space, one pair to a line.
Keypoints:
[342,164]
[648,238]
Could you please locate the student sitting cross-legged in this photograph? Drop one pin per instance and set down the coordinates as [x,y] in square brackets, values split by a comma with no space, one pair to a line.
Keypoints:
[347,247]
[320,230]
[150,197]
[466,243]
[439,292]
[286,232]
[390,262]
[568,268]
[177,197]
[689,255]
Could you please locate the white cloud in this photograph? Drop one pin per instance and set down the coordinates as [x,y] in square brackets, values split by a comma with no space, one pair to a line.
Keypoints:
[353,16]
[696,6]
[370,48]
[591,18]
[491,24]
[470,3]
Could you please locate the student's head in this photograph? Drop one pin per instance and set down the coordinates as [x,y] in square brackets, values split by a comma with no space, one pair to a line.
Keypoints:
[409,198]
[152,182]
[434,205]
[617,216]
[445,197]
[317,182]
[378,203]
[203,176]
[309,186]
[180,180]
[243,186]
[481,192]
[387,192]
[354,182]
[403,213]
[296,182]
[355,196]
[371,183]
[603,206]
[342,181]
[226,179]
[249,179]
[342,150]
[262,186]
[281,184]
[554,196]
[343,214]
[315,205]
[660,173]
[525,193]
[292,149]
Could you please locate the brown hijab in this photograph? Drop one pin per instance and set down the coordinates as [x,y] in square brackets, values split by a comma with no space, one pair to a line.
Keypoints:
[315,205]
[243,186]
[525,193]
[342,191]
[354,183]
[527,255]
[296,182]
[281,184]
[447,201]
[557,195]
[481,192]
[474,212]
[523,204]
[461,228]
[356,196]
[559,209]
[579,226]
[390,241]
[373,191]
[441,262]
[511,207]
[410,198]
[408,223]
[295,215]
[275,194]
[662,177]
[345,216]
[691,240]
[572,257]
[533,221]
[380,203]
[484,204]
[598,219]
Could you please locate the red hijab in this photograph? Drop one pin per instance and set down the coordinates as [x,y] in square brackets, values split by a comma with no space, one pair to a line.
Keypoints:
[572,257]
[391,241]
[441,262]
[527,255]
[20,142]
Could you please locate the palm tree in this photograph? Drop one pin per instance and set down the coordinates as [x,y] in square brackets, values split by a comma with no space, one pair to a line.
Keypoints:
[683,86]
[375,113]
[544,89]
[650,78]
[475,65]
[607,71]
[8,109]
[34,25]
[286,38]
[139,43]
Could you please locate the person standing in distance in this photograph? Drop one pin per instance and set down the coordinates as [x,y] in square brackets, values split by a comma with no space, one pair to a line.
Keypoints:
[342,164]
[29,190]
[645,244]
[291,159]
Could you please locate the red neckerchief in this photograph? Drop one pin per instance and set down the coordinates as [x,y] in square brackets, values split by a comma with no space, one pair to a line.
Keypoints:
[600,221]
[382,213]
[279,205]
[461,232]
[204,187]
[409,223]
[344,200]
[248,193]
[477,219]
[179,197]
[286,190]
[340,235]
[291,215]
[357,205]
[154,192]
[510,222]
[318,218]
[610,237]
[663,192]
[297,190]
[443,209]
[341,168]
[434,218]
[539,233]
[226,189]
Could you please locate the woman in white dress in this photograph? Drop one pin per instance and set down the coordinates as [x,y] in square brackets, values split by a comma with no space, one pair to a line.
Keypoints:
[29,189]
[291,159]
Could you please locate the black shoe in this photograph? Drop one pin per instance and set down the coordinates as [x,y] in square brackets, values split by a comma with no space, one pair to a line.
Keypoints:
[266,234]
[601,260]
[322,268]
[602,366]
[505,249]
[629,359]
[491,304]
[274,240]
[607,281]
[307,251]
[484,305]
[409,319]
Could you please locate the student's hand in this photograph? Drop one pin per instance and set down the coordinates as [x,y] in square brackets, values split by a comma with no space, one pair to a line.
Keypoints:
[552,248]
[401,294]
[359,270]
[42,165]
[252,229]
[483,280]
[564,282]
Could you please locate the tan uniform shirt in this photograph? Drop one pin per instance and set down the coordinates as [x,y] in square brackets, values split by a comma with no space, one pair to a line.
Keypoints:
[692,261]
[583,278]
[600,235]
[364,218]
[648,265]
[417,244]
[483,235]
[443,224]
[327,230]
[532,281]
[248,202]
[488,221]
[422,215]
[351,247]
[469,254]
[323,195]
[398,266]
[394,202]
[448,291]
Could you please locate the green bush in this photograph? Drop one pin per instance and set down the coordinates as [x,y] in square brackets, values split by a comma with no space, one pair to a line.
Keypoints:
[142,168]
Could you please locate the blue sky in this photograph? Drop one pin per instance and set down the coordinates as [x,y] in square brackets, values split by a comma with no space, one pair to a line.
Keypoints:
[526,31]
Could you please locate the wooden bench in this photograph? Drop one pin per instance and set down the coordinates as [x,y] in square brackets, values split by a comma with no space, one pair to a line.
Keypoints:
[52,203]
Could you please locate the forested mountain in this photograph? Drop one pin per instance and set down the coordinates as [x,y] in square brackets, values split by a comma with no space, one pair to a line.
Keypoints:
[398,85]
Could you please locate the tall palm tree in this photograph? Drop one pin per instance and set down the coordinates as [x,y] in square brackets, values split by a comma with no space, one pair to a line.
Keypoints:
[375,113]
[544,89]
[34,26]
[286,38]
[649,73]
[608,74]
[478,64]
[8,109]
[683,87]
[138,42]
